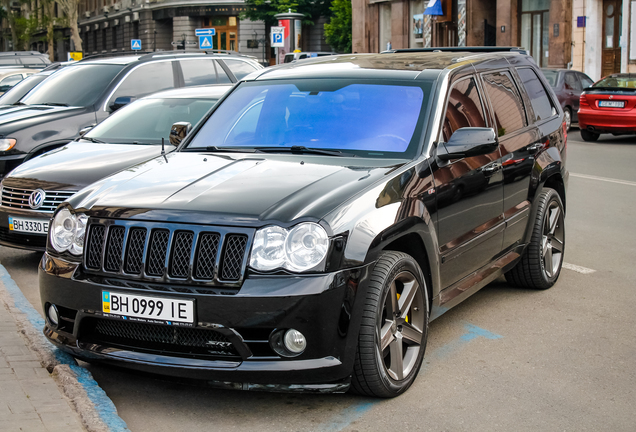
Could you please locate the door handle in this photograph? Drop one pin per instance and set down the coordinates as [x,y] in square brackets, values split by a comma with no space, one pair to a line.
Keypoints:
[533,148]
[489,169]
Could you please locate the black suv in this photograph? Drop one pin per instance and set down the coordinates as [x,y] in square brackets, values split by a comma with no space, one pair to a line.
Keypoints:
[307,231]
[85,93]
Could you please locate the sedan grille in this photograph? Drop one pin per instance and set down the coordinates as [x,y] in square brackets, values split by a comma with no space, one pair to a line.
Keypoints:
[19,198]
[137,250]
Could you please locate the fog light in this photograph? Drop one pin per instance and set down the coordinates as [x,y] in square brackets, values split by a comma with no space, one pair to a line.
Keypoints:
[54,317]
[294,341]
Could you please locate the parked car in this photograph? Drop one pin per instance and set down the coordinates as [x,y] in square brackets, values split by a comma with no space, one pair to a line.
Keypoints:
[132,135]
[24,59]
[609,106]
[568,85]
[86,92]
[9,77]
[296,241]
[11,99]
[290,57]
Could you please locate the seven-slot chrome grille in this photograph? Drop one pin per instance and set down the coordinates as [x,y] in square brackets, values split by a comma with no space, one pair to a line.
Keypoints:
[176,253]
[19,198]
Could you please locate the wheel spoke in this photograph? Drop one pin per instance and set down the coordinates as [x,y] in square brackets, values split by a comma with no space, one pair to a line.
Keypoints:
[545,244]
[395,308]
[547,262]
[411,334]
[554,219]
[386,335]
[397,358]
[406,299]
[557,244]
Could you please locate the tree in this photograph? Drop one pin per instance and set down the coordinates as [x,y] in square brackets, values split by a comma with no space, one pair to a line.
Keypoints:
[264,10]
[70,7]
[338,29]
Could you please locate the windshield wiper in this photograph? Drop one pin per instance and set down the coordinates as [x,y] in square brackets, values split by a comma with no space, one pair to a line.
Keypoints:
[54,104]
[93,140]
[306,150]
[221,149]
[18,103]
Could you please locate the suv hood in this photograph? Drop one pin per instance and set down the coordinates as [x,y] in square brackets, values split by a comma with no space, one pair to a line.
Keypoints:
[39,113]
[237,189]
[78,164]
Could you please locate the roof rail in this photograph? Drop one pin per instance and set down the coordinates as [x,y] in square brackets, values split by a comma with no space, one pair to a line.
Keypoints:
[114,54]
[189,52]
[21,53]
[473,49]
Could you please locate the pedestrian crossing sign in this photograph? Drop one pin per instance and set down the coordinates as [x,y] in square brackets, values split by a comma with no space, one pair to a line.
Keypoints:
[205,42]
[135,44]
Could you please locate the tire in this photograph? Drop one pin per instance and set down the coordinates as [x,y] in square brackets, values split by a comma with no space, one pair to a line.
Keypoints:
[589,136]
[402,328]
[541,262]
[567,117]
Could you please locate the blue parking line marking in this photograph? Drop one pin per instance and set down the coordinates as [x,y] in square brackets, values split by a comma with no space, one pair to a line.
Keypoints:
[104,406]
[357,410]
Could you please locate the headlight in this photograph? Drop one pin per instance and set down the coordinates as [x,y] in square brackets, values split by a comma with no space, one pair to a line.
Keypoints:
[299,249]
[7,144]
[67,232]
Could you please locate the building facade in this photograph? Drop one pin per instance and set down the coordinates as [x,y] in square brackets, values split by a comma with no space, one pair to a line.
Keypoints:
[552,30]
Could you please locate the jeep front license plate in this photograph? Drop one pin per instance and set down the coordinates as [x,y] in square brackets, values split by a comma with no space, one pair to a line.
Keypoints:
[155,310]
[32,226]
[612,104]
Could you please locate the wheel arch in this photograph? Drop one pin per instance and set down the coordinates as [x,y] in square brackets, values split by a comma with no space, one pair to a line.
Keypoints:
[555,182]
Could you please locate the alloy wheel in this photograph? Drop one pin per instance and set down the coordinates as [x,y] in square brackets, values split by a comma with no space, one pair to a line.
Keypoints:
[552,241]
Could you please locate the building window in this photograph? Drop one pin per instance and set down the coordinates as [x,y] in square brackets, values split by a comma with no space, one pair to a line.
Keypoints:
[135,30]
[535,29]
[114,35]
[103,39]
[95,40]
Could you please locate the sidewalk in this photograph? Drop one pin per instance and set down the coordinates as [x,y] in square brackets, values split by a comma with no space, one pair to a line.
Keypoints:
[30,399]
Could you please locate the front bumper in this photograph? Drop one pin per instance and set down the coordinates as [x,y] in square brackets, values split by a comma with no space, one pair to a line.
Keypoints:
[325,308]
[20,240]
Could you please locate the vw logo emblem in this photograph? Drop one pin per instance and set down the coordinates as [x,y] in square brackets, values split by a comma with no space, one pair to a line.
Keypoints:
[37,199]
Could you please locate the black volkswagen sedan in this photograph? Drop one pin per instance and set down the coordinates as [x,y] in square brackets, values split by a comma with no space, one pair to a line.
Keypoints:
[303,236]
[31,193]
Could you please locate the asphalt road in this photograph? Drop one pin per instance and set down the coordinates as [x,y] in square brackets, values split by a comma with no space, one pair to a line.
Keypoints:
[506,359]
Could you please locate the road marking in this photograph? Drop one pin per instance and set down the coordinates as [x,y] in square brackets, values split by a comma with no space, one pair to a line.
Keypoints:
[583,270]
[358,409]
[103,405]
[605,179]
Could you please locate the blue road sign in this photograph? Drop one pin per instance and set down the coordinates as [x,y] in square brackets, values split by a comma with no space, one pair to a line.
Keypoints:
[135,44]
[205,32]
[277,38]
[205,42]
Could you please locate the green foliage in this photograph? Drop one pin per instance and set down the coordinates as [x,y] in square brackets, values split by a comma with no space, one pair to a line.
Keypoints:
[264,10]
[338,29]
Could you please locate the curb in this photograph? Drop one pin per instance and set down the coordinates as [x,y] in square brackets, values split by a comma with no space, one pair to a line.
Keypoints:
[96,411]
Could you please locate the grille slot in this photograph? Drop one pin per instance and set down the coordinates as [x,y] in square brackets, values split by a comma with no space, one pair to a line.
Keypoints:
[114,248]
[154,337]
[19,198]
[206,255]
[135,252]
[181,252]
[95,244]
[157,252]
[167,253]
[233,257]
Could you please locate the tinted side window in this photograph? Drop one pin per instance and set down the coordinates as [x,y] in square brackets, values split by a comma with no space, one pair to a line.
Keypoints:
[464,108]
[147,79]
[506,102]
[585,81]
[221,75]
[571,83]
[538,96]
[198,72]
[239,68]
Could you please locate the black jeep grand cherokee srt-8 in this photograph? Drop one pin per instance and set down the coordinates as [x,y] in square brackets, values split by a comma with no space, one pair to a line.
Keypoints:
[307,231]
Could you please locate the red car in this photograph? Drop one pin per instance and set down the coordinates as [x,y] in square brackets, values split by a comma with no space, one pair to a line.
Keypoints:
[608,106]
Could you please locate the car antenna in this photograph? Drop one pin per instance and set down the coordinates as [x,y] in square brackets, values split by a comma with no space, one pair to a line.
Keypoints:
[163,149]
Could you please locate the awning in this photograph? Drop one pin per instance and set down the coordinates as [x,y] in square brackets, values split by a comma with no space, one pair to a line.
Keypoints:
[434,8]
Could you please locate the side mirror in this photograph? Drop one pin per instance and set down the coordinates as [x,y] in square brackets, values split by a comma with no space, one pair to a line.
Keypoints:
[178,132]
[85,130]
[467,142]
[120,102]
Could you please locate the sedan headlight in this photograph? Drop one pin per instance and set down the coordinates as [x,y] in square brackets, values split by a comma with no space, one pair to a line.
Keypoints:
[298,249]
[7,144]
[68,231]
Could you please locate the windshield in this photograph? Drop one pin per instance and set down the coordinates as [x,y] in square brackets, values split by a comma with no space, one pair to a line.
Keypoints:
[375,119]
[18,91]
[146,121]
[79,85]
[551,76]
[624,81]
